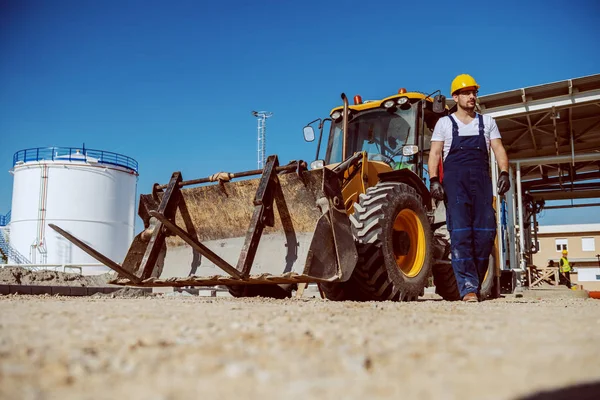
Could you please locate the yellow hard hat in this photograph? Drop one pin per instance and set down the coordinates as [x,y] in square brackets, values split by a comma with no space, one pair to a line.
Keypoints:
[565,252]
[463,81]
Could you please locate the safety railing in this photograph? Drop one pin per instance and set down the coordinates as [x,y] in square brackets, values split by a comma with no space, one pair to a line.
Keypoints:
[10,252]
[74,154]
[5,219]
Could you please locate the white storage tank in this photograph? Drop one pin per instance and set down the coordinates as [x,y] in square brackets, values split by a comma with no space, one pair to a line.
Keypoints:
[89,193]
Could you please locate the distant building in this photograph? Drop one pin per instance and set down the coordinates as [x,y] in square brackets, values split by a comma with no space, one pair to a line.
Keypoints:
[583,244]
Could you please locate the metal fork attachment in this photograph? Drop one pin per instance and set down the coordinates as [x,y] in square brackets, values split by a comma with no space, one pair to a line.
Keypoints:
[331,255]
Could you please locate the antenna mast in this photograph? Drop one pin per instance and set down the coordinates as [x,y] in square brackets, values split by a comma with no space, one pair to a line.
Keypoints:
[262,135]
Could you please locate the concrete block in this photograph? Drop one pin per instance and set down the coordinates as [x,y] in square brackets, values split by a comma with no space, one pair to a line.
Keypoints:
[20,289]
[41,289]
[61,290]
[78,291]
[93,290]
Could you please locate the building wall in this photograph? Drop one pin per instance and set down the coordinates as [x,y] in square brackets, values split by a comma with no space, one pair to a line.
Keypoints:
[574,242]
[582,258]
[586,285]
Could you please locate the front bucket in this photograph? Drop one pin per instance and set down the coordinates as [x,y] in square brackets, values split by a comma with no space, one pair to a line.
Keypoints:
[251,231]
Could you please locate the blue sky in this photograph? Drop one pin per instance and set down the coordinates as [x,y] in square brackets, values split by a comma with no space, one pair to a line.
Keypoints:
[172,84]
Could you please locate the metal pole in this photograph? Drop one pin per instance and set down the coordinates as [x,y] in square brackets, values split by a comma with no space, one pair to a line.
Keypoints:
[258,155]
[345,127]
[520,215]
[562,159]
[500,241]
[512,243]
[261,129]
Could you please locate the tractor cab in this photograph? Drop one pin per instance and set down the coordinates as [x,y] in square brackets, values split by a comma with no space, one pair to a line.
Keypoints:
[395,131]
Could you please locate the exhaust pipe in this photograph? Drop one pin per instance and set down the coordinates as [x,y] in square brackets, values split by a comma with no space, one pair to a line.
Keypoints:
[345,125]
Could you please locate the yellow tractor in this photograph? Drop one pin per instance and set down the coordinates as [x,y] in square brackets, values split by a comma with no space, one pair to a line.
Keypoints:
[360,222]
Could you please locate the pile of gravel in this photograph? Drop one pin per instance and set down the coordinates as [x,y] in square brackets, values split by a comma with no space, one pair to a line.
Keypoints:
[126,293]
[23,276]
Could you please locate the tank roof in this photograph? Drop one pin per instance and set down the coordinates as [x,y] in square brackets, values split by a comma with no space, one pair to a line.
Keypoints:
[74,154]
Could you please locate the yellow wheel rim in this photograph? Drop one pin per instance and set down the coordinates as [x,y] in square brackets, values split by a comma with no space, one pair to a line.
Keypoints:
[410,256]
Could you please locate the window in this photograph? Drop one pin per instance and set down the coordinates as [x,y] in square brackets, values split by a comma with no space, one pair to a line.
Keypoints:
[378,132]
[588,244]
[561,244]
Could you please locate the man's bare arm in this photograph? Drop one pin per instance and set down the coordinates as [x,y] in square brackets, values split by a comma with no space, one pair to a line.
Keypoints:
[435,156]
[500,154]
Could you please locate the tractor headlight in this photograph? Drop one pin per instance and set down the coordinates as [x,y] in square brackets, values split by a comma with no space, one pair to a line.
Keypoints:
[389,103]
[317,164]
[402,100]
[336,115]
[410,150]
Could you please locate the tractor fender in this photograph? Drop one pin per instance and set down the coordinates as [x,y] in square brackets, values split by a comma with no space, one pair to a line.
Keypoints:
[412,179]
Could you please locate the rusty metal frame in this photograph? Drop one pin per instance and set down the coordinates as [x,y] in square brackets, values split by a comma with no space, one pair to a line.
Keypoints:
[263,215]
[167,208]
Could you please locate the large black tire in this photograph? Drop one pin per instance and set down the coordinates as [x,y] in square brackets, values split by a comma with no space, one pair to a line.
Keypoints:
[446,286]
[393,239]
[344,291]
[272,291]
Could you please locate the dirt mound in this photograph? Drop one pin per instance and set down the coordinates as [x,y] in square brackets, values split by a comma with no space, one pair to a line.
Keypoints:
[22,276]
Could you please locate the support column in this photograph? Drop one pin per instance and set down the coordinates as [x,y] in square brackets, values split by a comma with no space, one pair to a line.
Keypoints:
[520,215]
[512,221]
[501,259]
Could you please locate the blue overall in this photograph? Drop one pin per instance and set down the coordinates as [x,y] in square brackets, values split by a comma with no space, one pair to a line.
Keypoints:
[470,216]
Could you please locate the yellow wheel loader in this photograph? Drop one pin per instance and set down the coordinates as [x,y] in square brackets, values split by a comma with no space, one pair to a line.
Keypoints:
[359,222]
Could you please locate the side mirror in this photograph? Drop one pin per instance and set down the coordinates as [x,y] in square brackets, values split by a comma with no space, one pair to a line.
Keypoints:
[439,104]
[309,133]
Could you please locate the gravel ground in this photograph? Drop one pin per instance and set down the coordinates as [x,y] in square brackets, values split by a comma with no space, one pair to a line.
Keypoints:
[180,347]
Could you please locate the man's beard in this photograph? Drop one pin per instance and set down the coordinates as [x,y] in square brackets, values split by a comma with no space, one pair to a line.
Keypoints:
[469,108]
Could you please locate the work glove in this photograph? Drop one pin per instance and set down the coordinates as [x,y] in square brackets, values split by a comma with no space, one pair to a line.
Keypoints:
[436,188]
[503,183]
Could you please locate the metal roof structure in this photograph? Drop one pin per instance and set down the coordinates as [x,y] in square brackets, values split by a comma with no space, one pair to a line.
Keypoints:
[576,228]
[552,133]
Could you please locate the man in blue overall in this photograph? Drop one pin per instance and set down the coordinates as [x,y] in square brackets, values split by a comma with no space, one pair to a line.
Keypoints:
[464,139]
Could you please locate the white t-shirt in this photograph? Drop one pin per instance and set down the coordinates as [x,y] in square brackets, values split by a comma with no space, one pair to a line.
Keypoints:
[443,130]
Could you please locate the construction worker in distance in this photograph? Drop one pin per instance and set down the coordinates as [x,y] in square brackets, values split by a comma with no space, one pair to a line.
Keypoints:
[463,140]
[565,269]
